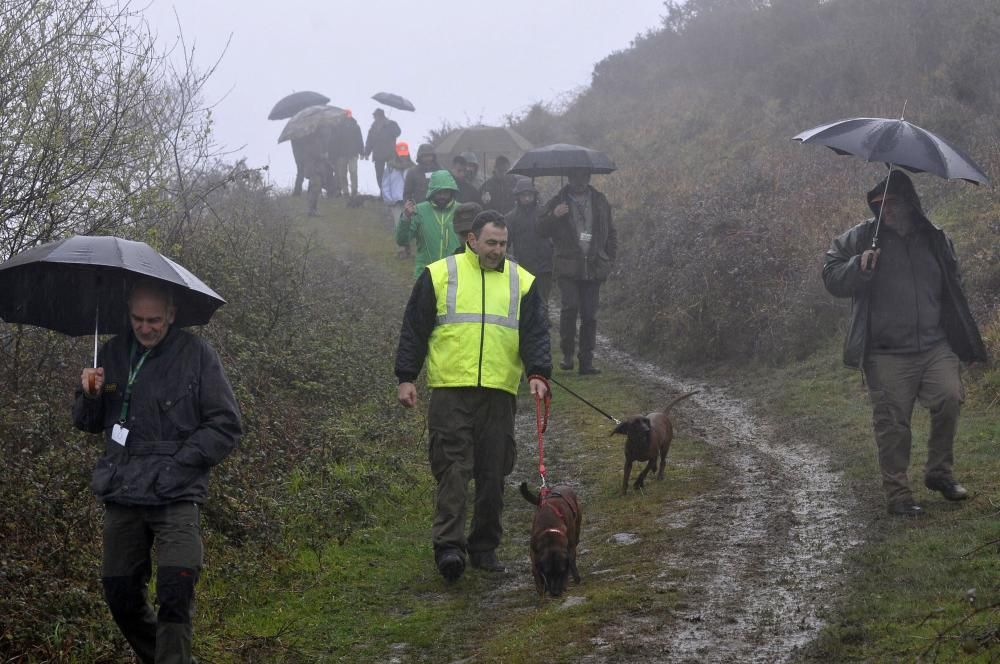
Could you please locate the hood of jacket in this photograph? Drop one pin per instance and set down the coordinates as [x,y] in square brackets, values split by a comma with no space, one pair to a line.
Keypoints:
[900,185]
[441,180]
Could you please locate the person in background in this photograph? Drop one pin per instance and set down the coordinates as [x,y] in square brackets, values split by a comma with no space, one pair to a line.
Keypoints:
[465,215]
[467,193]
[472,169]
[392,188]
[380,144]
[418,177]
[526,244]
[497,192]
[429,224]
[474,370]
[168,415]
[346,145]
[578,221]
[910,328]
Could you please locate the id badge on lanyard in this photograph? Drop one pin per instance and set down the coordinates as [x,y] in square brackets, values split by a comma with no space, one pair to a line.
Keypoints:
[119,433]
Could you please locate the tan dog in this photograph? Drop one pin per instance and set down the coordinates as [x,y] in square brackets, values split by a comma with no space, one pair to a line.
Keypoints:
[555,533]
[649,437]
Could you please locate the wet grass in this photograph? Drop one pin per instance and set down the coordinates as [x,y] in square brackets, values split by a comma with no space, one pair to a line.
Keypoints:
[377,597]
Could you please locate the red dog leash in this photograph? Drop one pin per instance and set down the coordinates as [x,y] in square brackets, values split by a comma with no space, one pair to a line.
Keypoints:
[541,424]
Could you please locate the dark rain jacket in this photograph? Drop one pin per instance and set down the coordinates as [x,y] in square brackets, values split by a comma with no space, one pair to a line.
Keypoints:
[417,178]
[346,141]
[526,244]
[182,420]
[380,143]
[569,260]
[421,317]
[500,192]
[843,277]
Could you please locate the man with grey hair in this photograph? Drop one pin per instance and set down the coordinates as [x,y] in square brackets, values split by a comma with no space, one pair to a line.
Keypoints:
[168,414]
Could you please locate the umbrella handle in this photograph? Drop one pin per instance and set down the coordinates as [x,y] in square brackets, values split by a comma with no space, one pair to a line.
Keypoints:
[881,206]
[92,378]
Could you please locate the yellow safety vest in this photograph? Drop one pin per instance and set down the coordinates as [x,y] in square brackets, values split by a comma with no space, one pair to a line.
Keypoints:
[475,342]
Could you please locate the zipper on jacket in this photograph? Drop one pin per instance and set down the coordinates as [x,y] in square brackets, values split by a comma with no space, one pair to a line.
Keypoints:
[482,326]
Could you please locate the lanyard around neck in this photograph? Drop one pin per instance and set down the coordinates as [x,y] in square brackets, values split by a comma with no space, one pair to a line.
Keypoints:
[132,373]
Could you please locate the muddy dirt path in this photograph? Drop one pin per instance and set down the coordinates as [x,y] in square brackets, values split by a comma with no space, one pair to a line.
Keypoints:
[764,551]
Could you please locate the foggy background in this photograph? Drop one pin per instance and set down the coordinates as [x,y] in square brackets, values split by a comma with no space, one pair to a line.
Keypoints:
[458,62]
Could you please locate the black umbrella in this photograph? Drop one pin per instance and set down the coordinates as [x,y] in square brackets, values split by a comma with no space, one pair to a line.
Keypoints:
[394,100]
[295,102]
[896,143]
[561,159]
[79,285]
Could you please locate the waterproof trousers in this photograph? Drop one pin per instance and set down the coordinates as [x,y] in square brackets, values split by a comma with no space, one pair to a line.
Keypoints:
[129,534]
[471,438]
[895,383]
[580,298]
[347,166]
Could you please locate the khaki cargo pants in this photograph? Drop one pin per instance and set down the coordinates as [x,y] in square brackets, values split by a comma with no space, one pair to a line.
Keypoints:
[895,383]
[471,438]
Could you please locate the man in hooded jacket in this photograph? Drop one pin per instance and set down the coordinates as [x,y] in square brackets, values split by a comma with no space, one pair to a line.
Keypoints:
[417,178]
[578,221]
[430,223]
[380,144]
[526,244]
[910,328]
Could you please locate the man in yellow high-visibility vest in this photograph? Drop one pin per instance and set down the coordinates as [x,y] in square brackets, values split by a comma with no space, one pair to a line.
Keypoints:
[478,321]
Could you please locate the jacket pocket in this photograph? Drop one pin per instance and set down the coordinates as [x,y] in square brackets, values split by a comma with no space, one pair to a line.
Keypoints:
[178,410]
[176,480]
[601,266]
[104,479]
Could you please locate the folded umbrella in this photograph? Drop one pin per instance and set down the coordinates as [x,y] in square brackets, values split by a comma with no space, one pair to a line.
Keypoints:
[295,102]
[562,159]
[394,100]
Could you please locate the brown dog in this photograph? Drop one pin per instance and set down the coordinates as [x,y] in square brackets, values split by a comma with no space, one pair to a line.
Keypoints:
[649,436]
[555,533]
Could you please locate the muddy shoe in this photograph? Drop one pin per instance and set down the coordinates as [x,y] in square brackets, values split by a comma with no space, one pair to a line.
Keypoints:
[905,508]
[589,371]
[566,364]
[487,561]
[949,488]
[451,566]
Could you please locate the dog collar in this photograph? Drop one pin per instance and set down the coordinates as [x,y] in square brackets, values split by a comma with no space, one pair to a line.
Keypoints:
[554,530]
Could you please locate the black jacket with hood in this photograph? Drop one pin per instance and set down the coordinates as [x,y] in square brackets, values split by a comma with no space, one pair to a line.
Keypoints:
[569,259]
[182,420]
[843,277]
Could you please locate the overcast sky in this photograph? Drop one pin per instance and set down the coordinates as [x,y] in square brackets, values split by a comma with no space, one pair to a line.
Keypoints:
[460,62]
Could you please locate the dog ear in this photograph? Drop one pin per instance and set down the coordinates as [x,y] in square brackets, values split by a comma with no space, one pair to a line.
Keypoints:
[646,424]
[622,428]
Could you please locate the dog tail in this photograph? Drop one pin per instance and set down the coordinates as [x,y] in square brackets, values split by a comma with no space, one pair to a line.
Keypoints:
[680,398]
[534,499]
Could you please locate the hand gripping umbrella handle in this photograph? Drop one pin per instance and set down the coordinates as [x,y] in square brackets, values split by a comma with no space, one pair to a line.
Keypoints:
[92,379]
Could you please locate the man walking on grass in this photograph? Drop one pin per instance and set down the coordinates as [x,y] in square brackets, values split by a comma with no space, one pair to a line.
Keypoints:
[910,328]
[477,319]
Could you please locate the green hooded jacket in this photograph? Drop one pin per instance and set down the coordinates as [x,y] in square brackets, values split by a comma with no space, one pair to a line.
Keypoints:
[430,226]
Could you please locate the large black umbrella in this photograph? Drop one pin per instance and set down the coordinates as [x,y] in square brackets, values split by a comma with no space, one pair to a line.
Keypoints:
[80,285]
[561,159]
[896,143]
[295,102]
[394,100]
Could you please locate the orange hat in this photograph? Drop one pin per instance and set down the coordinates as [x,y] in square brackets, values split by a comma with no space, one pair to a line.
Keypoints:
[402,149]
[347,112]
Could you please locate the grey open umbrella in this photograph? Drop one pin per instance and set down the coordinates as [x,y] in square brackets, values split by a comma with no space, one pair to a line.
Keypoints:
[486,142]
[895,143]
[394,100]
[308,120]
[79,285]
[295,102]
[561,159]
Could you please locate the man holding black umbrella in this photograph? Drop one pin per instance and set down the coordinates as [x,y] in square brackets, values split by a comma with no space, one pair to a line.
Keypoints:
[168,414]
[380,143]
[578,221]
[910,328]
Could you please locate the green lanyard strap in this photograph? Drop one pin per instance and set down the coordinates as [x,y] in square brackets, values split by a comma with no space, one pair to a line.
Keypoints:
[133,372]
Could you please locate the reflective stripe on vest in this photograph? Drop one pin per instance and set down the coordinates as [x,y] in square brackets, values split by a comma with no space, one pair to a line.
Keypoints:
[476,339]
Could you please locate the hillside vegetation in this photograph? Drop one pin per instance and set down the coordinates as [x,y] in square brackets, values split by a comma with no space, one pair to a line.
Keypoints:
[723,219]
